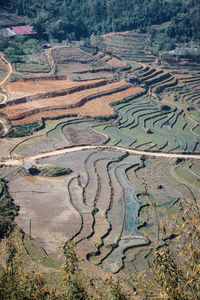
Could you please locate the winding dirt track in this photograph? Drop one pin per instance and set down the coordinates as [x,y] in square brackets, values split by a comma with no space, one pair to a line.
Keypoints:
[9,66]
[49,56]
[19,162]
[5,128]
[10,69]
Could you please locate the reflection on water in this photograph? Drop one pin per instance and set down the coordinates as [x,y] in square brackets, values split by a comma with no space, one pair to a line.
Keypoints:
[33,179]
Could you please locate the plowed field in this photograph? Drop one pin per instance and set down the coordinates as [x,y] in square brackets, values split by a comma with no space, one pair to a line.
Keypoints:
[22,87]
[52,98]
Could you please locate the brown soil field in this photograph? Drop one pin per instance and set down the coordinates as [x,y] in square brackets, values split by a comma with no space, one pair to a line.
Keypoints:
[53,218]
[91,75]
[99,106]
[117,63]
[44,97]
[105,58]
[76,135]
[111,61]
[80,65]
[180,76]
[114,33]
[23,87]
[51,97]
[84,71]
[70,100]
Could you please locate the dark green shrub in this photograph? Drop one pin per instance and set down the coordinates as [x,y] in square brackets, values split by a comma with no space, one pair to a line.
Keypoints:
[8,210]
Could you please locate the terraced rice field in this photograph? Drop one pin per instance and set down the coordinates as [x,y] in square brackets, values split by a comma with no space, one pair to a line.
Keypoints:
[142,124]
[128,45]
[106,206]
[157,79]
[189,91]
[113,206]
[82,133]
[26,87]
[168,200]
[80,65]
[33,64]
[190,95]
[90,98]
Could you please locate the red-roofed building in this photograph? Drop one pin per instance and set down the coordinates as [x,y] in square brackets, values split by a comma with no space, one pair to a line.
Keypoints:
[23,29]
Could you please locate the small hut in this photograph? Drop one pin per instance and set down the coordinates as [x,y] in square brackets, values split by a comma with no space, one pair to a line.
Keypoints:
[30,168]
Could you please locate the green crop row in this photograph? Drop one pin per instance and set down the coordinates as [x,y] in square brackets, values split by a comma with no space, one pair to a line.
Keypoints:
[26,129]
[161,88]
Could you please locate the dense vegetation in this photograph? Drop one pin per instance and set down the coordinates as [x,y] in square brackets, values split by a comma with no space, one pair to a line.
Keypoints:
[1,129]
[79,18]
[8,210]
[27,129]
[53,171]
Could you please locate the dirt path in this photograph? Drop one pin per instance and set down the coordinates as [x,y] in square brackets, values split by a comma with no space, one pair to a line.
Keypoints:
[50,59]
[18,162]
[4,98]
[5,128]
[9,67]
[48,53]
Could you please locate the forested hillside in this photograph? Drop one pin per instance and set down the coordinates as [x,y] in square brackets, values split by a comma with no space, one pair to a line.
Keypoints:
[80,18]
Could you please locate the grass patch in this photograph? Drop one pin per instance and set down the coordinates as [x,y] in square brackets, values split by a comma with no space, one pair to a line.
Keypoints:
[15,76]
[36,253]
[185,174]
[196,168]
[88,49]
[195,114]
[53,171]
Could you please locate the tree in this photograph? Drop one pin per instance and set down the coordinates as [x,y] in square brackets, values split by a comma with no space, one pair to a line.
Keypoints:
[71,274]
[10,51]
[41,22]
[3,42]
